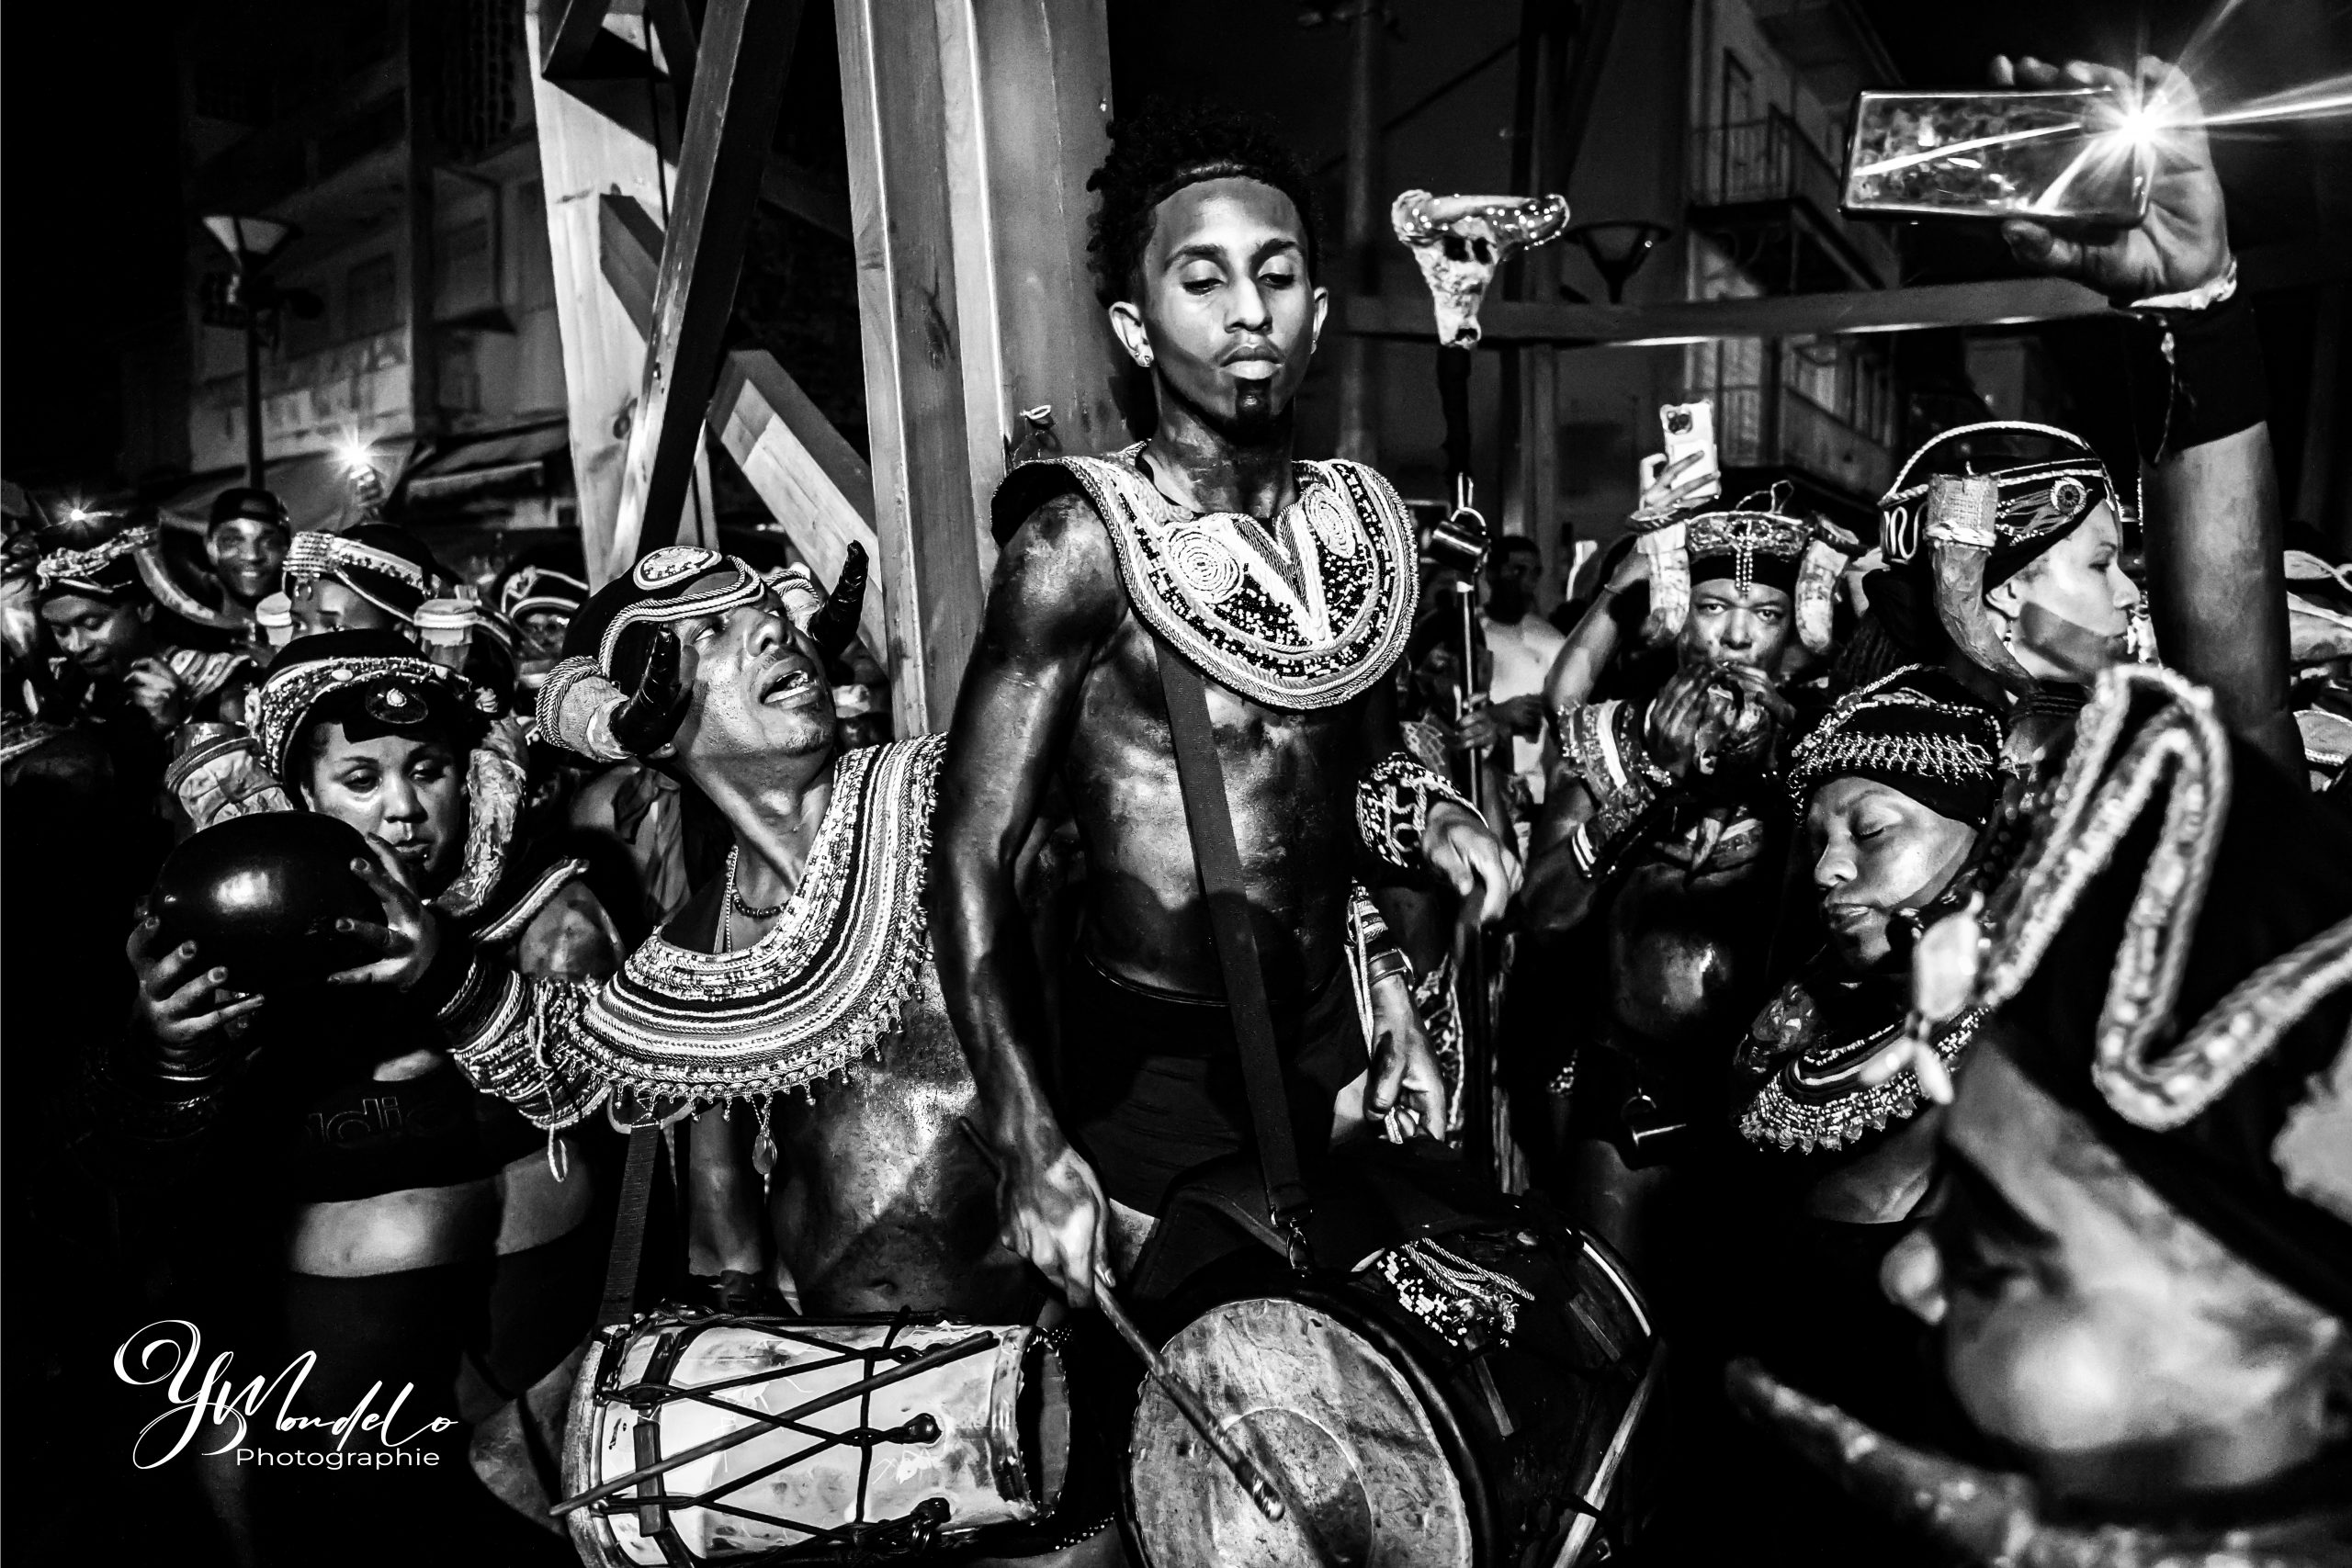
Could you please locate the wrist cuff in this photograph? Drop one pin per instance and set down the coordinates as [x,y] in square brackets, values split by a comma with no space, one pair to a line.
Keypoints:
[2196,376]
[1393,808]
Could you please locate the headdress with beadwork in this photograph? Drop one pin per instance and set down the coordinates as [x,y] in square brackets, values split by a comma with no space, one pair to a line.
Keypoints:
[1970,524]
[606,646]
[1754,542]
[384,565]
[111,560]
[1915,730]
[2172,959]
[375,682]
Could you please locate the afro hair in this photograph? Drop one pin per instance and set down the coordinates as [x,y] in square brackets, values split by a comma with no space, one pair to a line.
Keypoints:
[1167,147]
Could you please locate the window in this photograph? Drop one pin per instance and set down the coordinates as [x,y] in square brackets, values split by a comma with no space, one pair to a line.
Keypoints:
[464,271]
[371,298]
[1739,91]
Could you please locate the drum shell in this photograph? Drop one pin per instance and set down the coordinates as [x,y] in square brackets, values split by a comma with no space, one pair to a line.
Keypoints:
[1520,1428]
[975,1464]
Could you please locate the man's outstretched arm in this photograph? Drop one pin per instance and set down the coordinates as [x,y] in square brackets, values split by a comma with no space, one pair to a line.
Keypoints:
[1055,601]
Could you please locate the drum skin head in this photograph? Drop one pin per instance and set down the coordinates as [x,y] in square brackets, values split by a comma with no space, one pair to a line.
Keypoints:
[1321,1407]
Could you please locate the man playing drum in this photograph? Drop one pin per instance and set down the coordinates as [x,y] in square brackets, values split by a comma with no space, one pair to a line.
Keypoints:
[1290,586]
[798,986]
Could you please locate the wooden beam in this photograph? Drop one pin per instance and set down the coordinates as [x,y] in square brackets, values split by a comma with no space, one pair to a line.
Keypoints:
[806,195]
[1511,322]
[893,105]
[811,479]
[745,54]
[1026,87]
[584,156]
[567,34]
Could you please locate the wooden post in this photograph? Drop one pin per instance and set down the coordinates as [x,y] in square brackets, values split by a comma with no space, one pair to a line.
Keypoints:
[416,214]
[1026,94]
[1366,217]
[745,53]
[894,106]
[584,154]
[811,479]
[1529,407]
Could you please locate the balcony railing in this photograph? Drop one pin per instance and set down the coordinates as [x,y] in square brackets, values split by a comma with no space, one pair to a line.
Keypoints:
[1763,427]
[1759,161]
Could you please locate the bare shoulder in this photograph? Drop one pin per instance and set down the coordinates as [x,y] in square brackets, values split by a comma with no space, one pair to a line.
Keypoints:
[1058,576]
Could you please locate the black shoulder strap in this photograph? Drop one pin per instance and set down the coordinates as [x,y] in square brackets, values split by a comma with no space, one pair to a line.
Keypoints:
[621,1269]
[1209,812]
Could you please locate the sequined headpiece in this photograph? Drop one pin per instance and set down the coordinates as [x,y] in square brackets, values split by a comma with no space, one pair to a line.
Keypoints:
[375,682]
[1915,730]
[2172,958]
[1800,555]
[393,685]
[108,570]
[380,563]
[669,585]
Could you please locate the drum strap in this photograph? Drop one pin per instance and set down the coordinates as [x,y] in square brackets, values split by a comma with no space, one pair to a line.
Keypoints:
[1208,813]
[629,1229]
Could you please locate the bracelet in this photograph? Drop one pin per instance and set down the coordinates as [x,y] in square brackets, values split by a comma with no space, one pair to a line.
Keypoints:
[1600,741]
[1386,964]
[1393,808]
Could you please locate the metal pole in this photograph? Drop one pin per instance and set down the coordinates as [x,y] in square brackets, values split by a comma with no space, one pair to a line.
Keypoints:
[245,288]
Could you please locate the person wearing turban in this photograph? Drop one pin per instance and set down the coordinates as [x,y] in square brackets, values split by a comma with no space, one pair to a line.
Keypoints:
[2141,1281]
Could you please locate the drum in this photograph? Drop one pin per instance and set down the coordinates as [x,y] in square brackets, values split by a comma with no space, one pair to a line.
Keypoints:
[698,1438]
[1466,1398]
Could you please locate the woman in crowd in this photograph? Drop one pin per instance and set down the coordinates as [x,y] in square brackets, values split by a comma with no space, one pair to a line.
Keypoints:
[408,1229]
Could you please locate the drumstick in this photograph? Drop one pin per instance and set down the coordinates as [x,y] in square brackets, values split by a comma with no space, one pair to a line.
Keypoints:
[1188,1404]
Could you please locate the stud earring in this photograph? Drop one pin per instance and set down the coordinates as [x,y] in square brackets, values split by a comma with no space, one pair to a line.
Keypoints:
[1145,359]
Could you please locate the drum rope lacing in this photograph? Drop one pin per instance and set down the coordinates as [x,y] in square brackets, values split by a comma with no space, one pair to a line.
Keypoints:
[914,1531]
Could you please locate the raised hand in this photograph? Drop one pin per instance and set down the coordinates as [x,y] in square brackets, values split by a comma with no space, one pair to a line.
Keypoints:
[408,939]
[154,691]
[178,1003]
[653,712]
[2184,243]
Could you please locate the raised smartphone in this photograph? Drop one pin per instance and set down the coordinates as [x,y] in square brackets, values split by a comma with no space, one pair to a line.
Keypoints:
[2069,156]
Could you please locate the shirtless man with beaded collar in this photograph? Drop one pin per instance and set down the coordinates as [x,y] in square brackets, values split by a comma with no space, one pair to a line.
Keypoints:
[1290,586]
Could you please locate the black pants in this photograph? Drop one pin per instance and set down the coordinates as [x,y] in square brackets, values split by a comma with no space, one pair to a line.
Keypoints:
[1152,1082]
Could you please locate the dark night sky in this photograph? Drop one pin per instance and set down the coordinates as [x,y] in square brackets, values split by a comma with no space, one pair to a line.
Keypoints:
[89,169]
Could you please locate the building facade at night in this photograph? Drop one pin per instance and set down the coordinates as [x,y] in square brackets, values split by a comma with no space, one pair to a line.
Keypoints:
[420,321]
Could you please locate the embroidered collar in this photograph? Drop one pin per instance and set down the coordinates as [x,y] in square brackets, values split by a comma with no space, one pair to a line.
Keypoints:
[1308,611]
[1806,1072]
[825,986]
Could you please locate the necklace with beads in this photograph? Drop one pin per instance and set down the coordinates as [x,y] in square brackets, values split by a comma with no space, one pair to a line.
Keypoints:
[735,905]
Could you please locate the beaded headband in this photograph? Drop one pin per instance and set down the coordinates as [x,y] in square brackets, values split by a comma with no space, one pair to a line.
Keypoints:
[81,569]
[1892,729]
[2037,499]
[287,696]
[674,564]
